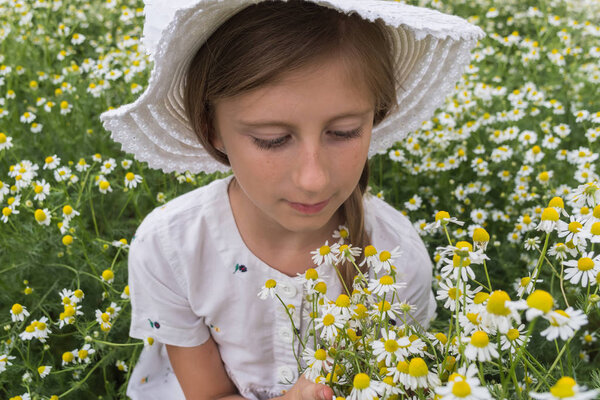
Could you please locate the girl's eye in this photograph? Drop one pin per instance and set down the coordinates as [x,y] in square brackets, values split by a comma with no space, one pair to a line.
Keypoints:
[270,144]
[280,141]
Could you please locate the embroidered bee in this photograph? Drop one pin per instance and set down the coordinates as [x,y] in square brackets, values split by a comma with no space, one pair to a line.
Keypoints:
[154,324]
[216,328]
[241,268]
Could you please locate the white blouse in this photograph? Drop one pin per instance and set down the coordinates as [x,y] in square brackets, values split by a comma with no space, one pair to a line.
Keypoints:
[191,276]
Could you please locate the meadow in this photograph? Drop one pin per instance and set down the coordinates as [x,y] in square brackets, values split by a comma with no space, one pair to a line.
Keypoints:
[502,184]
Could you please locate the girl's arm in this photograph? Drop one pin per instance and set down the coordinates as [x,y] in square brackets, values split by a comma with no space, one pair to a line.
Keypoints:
[200,372]
[202,376]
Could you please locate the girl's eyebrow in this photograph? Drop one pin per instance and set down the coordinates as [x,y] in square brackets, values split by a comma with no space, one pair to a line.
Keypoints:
[255,124]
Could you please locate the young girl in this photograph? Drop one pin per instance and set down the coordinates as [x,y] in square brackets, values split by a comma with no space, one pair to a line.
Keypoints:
[293,96]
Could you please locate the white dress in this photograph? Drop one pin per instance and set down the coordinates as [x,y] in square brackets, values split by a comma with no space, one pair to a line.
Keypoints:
[191,276]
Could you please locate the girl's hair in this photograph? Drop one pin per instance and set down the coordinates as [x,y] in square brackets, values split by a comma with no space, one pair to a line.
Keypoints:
[256,45]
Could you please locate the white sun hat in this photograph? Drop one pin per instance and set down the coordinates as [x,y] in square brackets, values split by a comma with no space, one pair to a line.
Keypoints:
[434,51]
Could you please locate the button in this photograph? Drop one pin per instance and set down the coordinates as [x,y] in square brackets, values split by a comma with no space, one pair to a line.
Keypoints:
[288,290]
[286,334]
[286,375]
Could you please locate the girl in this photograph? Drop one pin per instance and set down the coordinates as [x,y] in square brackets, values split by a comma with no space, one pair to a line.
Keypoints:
[293,96]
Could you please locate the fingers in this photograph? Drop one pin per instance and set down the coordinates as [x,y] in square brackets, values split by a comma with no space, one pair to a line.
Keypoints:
[314,391]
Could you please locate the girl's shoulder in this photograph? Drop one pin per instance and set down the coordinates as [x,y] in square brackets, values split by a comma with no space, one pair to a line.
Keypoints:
[383,219]
[180,212]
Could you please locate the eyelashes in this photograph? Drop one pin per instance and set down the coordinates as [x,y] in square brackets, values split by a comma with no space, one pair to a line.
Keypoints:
[281,141]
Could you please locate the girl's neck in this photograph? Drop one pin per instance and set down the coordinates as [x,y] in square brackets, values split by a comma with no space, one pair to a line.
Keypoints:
[280,248]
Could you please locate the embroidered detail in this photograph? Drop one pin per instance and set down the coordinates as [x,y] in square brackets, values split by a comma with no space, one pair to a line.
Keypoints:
[144,380]
[216,328]
[154,324]
[241,268]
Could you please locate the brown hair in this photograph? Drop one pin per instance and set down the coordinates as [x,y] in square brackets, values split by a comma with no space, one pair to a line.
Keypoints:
[256,45]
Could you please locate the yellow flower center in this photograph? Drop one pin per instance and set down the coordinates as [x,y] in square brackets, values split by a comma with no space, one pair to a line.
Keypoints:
[480,339]
[386,280]
[556,322]
[563,388]
[588,338]
[38,189]
[82,354]
[417,367]
[67,356]
[391,345]
[595,230]
[441,337]
[402,367]
[17,309]
[104,185]
[441,215]
[41,326]
[513,334]
[453,293]
[30,328]
[496,303]
[549,214]
[270,284]
[342,301]
[540,300]
[328,320]
[384,306]
[473,317]
[321,287]
[384,256]
[461,389]
[596,212]
[107,275]
[536,149]
[370,251]
[575,227]
[525,281]
[320,355]
[40,215]
[105,317]
[481,235]
[480,297]
[585,264]
[78,293]
[324,250]
[361,311]
[311,274]
[361,381]
[69,311]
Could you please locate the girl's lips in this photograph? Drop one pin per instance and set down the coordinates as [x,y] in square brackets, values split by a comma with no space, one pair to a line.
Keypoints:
[309,208]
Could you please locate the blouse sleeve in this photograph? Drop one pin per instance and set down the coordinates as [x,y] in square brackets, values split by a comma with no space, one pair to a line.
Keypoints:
[159,304]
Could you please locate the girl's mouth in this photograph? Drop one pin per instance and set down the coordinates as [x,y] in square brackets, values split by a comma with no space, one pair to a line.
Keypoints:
[309,208]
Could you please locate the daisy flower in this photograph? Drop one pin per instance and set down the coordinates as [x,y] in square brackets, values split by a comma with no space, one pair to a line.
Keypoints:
[464,384]
[108,166]
[68,357]
[42,217]
[385,259]
[386,310]
[121,366]
[18,312]
[364,388]
[319,362]
[51,162]
[384,285]
[83,355]
[442,218]
[132,180]
[325,254]
[370,256]
[564,323]
[4,361]
[566,388]
[588,338]
[347,252]
[390,348]
[269,289]
[480,348]
[44,370]
[500,311]
[539,302]
[584,269]
[449,292]
[341,306]
[525,285]
[513,339]
[341,233]
[588,193]
[329,324]
[41,190]
[572,231]
[103,320]
[419,375]
[561,251]
[549,220]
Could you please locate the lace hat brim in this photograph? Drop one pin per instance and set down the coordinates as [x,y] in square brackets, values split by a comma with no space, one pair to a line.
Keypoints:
[434,50]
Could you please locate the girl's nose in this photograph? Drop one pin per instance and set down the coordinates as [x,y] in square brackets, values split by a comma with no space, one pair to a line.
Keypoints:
[311,173]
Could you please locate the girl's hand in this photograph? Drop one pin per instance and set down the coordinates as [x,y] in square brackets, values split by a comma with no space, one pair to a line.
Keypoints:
[304,389]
